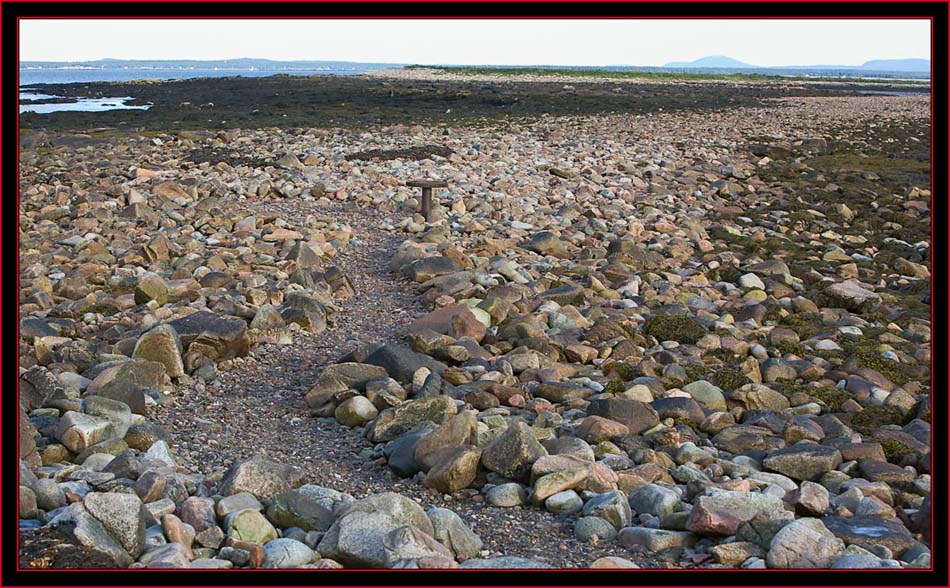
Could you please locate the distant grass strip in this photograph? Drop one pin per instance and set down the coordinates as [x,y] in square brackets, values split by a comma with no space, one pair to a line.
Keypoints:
[655,75]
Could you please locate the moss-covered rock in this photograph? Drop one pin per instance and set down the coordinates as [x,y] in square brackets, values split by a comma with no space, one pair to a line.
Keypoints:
[895,451]
[874,417]
[730,378]
[681,329]
[830,396]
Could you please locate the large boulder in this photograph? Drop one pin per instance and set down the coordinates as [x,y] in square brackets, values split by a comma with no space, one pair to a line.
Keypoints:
[161,344]
[311,508]
[357,537]
[851,295]
[803,461]
[216,337]
[261,477]
[805,543]
[398,420]
[122,515]
[401,363]
[513,452]
[637,416]
[451,531]
[723,511]
[127,382]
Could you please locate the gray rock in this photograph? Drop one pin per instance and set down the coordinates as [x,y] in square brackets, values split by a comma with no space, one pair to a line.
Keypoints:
[507,562]
[851,295]
[356,537]
[805,543]
[117,413]
[49,496]
[803,461]
[637,416]
[87,530]
[172,555]
[565,502]
[408,416]
[507,495]
[406,544]
[451,531]
[216,337]
[77,431]
[234,503]
[401,363]
[122,515]
[400,453]
[654,499]
[655,540]
[513,452]
[286,553]
[260,476]
[586,528]
[312,508]
[610,506]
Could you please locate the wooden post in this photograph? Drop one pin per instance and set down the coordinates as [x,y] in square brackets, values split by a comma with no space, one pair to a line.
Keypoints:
[427,185]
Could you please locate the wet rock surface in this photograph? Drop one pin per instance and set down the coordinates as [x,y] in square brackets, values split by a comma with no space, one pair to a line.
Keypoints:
[619,342]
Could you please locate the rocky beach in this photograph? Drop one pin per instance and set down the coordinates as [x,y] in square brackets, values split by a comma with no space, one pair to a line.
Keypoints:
[646,325]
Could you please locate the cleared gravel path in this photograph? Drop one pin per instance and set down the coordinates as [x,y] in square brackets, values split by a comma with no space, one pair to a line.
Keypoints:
[256,406]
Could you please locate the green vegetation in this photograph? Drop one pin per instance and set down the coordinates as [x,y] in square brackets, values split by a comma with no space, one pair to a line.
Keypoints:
[805,326]
[894,450]
[682,329]
[654,75]
[874,417]
[626,371]
[830,396]
[730,378]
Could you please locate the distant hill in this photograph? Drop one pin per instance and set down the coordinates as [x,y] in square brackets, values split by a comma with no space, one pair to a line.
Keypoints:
[921,65]
[722,62]
[710,61]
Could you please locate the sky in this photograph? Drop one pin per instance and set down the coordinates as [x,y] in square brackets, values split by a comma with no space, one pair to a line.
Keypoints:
[482,42]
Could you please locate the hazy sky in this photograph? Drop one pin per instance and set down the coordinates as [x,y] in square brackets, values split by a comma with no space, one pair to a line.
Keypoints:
[502,42]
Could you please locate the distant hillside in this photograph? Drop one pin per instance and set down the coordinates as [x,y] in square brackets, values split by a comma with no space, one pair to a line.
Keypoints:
[710,61]
[921,65]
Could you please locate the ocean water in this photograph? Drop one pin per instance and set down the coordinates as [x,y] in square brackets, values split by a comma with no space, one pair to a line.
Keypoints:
[33,75]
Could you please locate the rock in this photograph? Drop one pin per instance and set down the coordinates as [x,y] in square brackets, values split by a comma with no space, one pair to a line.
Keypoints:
[306,311]
[401,363]
[803,461]
[261,477]
[566,502]
[735,553]
[27,503]
[637,416]
[546,243]
[513,452]
[356,537]
[152,287]
[724,511]
[161,345]
[504,563]
[409,415]
[655,540]
[595,429]
[400,453]
[613,563]
[216,337]
[751,281]
[311,508]
[122,515]
[587,528]
[198,512]
[355,412]
[654,499]
[49,496]
[706,394]
[870,530]
[85,529]
[236,502]
[452,532]
[811,499]
[423,270]
[286,553]
[117,413]
[77,431]
[610,506]
[549,484]
[406,545]
[758,397]
[458,431]
[850,295]
[172,555]
[805,543]
[507,495]
[456,470]
[249,525]
[127,381]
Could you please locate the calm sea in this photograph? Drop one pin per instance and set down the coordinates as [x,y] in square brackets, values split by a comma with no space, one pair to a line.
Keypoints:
[29,77]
